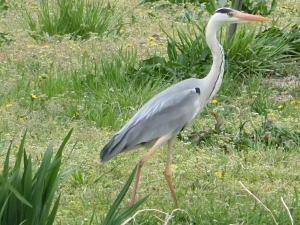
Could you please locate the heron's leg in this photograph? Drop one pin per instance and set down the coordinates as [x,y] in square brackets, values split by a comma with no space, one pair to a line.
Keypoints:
[141,162]
[167,172]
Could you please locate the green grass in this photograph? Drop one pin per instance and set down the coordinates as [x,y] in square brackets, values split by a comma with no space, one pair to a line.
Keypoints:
[78,19]
[96,85]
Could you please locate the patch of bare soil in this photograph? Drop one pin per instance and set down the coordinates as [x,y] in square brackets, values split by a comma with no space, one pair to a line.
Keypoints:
[286,83]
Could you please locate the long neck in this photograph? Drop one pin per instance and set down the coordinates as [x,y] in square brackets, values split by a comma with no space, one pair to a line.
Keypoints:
[215,75]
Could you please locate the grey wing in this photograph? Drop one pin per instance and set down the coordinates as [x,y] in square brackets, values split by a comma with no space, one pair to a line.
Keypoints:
[159,117]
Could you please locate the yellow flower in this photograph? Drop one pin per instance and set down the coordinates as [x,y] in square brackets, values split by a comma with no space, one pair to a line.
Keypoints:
[1,168]
[280,106]
[8,105]
[46,46]
[35,8]
[107,133]
[218,174]
[271,114]
[137,28]
[162,44]
[31,83]
[21,120]
[151,43]
[294,102]
[31,46]
[213,101]
[33,96]
[151,38]
[173,167]
[128,45]
[159,154]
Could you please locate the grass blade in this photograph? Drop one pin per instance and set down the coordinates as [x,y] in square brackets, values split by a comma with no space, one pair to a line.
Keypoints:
[13,190]
[110,215]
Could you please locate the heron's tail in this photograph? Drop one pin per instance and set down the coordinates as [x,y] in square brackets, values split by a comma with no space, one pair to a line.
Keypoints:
[112,148]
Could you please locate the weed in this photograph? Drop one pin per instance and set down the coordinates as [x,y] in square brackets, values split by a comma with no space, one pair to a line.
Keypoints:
[78,19]
[4,39]
[260,7]
[27,198]
[267,133]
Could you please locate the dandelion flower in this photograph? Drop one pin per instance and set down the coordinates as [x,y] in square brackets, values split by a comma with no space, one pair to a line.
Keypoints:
[151,43]
[107,133]
[173,167]
[218,174]
[1,168]
[21,120]
[159,154]
[294,102]
[280,106]
[8,105]
[33,96]
[151,38]
[213,101]
[31,46]
[46,46]
[128,45]
[271,114]
[35,8]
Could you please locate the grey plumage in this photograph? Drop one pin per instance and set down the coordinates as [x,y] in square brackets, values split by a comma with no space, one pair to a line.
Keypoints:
[169,112]
[167,108]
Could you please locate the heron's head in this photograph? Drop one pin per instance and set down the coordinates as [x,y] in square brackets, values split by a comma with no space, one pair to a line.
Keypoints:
[227,15]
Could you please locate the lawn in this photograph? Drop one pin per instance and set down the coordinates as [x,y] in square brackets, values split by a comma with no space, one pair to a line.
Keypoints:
[95,83]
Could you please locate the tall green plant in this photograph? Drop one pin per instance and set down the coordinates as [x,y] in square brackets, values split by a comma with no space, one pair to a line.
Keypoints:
[268,52]
[77,18]
[262,7]
[27,198]
[114,216]
[251,50]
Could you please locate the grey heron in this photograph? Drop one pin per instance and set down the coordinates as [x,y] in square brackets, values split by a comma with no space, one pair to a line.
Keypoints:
[163,117]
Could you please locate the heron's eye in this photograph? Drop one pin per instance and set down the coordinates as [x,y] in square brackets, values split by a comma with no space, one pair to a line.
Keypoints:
[230,14]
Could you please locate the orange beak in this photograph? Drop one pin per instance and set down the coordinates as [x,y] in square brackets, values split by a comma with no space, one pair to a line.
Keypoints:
[249,17]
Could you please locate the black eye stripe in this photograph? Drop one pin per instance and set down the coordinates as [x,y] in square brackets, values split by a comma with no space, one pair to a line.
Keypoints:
[197,90]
